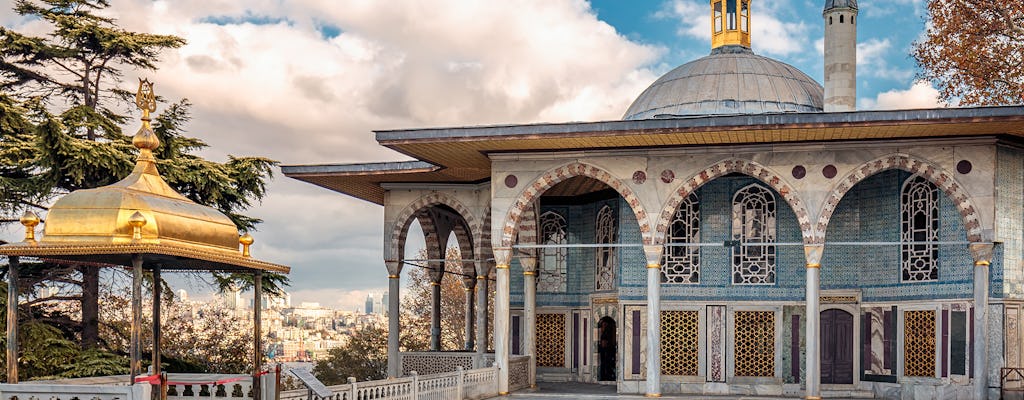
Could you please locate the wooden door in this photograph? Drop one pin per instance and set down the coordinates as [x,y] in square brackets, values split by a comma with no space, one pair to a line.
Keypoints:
[836,347]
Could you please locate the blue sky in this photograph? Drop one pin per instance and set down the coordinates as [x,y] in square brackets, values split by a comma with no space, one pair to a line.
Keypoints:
[307,81]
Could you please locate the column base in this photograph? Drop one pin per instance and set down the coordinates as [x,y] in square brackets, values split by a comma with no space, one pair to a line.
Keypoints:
[502,393]
[652,395]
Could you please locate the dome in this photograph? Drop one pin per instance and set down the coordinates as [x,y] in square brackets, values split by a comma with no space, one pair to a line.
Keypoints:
[732,80]
[833,4]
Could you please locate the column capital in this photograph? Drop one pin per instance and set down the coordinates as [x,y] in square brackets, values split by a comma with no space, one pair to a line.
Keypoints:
[813,253]
[529,264]
[653,253]
[982,253]
[394,267]
[502,257]
[436,271]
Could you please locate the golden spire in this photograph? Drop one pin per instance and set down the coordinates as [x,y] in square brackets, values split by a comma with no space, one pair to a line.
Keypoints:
[730,23]
[145,140]
[30,220]
[246,240]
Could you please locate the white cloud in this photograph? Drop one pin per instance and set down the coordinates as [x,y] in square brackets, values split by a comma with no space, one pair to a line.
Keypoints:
[872,61]
[920,95]
[264,80]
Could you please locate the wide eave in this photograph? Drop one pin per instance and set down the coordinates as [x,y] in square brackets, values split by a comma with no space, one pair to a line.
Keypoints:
[460,155]
[169,255]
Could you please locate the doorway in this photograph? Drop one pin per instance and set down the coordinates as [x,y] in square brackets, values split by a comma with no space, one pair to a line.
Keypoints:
[607,349]
[836,347]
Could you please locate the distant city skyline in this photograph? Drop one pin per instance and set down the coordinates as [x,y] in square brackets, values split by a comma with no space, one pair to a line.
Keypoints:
[307,82]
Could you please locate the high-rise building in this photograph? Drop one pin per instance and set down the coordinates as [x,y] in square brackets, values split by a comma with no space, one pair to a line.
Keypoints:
[369,303]
[383,302]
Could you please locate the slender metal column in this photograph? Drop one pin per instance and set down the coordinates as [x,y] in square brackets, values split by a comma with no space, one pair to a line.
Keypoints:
[502,257]
[982,254]
[483,271]
[135,346]
[530,315]
[653,254]
[12,319]
[470,284]
[436,275]
[394,327]
[257,333]
[157,288]
[813,253]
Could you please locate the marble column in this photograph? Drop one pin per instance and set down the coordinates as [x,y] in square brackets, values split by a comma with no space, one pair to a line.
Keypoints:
[813,253]
[257,334]
[530,314]
[469,282]
[502,258]
[12,318]
[394,328]
[436,275]
[982,254]
[135,341]
[483,273]
[653,254]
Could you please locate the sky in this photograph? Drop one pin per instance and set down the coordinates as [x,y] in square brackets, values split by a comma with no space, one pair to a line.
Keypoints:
[307,82]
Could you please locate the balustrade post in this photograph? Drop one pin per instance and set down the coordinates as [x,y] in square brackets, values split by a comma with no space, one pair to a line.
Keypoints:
[415,385]
[353,391]
[461,382]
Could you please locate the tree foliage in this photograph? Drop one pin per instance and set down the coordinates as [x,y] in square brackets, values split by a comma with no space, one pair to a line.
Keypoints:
[974,51]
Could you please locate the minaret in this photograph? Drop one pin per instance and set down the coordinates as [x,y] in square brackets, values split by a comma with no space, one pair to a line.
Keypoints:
[730,23]
[840,55]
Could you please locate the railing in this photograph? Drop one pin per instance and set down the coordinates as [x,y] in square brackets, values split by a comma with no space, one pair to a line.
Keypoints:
[69,392]
[458,385]
[436,362]
[216,386]
[1011,382]
[518,373]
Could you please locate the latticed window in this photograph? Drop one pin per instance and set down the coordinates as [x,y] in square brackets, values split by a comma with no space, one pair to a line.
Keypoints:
[550,340]
[754,343]
[606,261]
[919,205]
[919,343]
[753,226]
[552,260]
[682,263]
[680,351]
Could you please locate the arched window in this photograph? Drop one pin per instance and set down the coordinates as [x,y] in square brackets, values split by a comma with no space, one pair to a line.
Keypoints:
[551,277]
[682,263]
[919,224]
[745,16]
[718,16]
[753,226]
[840,18]
[606,261]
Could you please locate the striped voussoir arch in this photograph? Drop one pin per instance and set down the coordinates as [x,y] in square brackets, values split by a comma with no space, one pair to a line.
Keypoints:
[924,168]
[415,210]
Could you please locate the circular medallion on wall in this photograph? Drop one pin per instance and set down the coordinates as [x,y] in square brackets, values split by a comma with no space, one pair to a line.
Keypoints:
[511,181]
[639,177]
[964,167]
[829,171]
[667,176]
[799,172]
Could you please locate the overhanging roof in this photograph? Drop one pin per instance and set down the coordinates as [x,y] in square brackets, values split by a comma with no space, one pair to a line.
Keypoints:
[460,155]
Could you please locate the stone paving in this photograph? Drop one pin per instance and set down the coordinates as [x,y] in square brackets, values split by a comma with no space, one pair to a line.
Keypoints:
[587,391]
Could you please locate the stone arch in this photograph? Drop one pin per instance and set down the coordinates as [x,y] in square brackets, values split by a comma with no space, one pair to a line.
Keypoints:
[926,169]
[415,210]
[750,168]
[552,177]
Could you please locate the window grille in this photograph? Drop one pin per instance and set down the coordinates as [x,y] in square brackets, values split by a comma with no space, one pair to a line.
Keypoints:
[919,223]
[753,225]
[754,343]
[919,343]
[606,260]
[551,340]
[680,349]
[552,260]
[682,263]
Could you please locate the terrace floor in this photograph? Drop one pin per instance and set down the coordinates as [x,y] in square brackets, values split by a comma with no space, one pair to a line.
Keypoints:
[590,391]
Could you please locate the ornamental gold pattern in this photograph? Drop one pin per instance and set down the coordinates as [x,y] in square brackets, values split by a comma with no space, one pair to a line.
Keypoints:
[754,343]
[551,340]
[680,349]
[919,343]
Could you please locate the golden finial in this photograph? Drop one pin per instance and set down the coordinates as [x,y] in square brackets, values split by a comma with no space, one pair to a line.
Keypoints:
[137,221]
[30,220]
[246,240]
[145,99]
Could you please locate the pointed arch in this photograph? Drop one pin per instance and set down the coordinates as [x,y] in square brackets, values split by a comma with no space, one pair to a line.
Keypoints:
[553,177]
[416,209]
[750,168]
[905,162]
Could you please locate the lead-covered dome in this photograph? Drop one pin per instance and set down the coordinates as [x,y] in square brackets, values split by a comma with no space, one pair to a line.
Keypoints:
[732,80]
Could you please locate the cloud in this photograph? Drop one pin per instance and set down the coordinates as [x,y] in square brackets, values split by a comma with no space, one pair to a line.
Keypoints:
[307,81]
[920,95]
